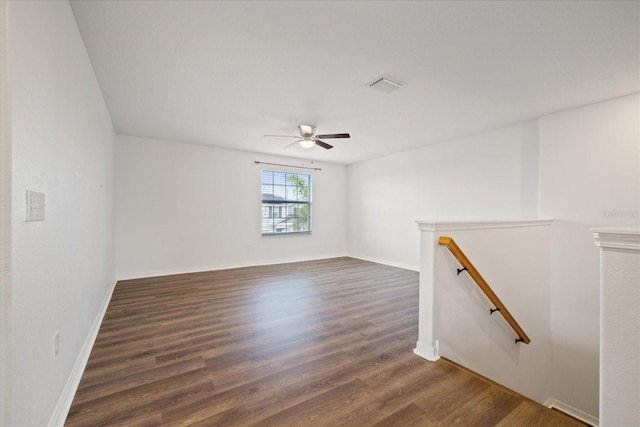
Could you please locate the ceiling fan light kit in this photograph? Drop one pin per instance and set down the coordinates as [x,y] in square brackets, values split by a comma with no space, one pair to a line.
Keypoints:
[307,142]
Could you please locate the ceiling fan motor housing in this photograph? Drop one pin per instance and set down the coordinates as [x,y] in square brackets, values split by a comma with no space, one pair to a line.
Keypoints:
[307,130]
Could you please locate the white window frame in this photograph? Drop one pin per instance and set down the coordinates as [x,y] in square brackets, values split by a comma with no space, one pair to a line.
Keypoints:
[280,196]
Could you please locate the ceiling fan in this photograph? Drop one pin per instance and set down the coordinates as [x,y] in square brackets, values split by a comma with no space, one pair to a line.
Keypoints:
[308,137]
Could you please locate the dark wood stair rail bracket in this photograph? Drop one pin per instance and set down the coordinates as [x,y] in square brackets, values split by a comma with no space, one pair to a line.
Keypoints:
[484,286]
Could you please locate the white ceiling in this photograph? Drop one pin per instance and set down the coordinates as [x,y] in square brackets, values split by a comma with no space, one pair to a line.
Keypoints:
[226,73]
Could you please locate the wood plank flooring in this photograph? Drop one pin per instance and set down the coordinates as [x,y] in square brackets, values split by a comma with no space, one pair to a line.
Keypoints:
[317,343]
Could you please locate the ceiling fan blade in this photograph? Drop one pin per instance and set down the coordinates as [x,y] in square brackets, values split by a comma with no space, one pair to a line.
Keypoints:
[283,136]
[334,135]
[293,143]
[323,144]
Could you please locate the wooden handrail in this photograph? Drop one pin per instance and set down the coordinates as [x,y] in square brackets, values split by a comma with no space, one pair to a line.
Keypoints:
[484,286]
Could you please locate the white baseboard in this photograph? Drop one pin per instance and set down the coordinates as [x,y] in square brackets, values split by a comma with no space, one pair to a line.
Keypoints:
[385,262]
[186,270]
[427,351]
[61,410]
[570,410]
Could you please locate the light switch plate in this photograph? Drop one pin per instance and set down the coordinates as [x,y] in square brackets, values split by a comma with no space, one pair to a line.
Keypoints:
[35,206]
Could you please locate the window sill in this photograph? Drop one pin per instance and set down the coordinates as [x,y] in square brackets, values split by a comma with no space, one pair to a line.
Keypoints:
[295,233]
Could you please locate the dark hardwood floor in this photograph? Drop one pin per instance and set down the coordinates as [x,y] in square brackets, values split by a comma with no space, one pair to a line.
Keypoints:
[315,343]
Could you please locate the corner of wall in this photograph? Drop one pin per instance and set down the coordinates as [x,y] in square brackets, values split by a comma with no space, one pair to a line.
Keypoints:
[66,397]
[570,410]
[5,218]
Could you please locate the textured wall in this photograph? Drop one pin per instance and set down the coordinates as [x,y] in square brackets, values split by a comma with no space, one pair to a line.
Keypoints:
[493,175]
[589,177]
[62,267]
[183,207]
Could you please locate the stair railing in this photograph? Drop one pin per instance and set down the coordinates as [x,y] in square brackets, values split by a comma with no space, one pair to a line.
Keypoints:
[484,286]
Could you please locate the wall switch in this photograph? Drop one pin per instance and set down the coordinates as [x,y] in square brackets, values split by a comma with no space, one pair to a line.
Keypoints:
[56,344]
[35,206]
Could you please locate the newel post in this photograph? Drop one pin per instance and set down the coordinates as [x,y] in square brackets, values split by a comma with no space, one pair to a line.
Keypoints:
[619,325]
[427,346]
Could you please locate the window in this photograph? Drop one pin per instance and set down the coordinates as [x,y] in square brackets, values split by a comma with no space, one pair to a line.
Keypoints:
[286,202]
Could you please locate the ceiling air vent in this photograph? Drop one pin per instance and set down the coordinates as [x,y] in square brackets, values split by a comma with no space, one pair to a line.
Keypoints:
[385,85]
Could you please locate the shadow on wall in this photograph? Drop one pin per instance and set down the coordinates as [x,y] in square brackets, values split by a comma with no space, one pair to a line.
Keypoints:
[575,315]
[579,379]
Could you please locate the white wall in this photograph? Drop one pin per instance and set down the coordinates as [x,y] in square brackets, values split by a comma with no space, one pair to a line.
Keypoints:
[589,176]
[588,163]
[62,267]
[513,257]
[493,175]
[182,207]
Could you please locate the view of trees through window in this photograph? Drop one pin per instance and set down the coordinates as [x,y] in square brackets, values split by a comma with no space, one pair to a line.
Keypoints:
[286,202]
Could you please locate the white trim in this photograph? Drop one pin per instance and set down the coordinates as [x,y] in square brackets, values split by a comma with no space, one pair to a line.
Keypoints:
[186,270]
[617,238]
[6,144]
[570,410]
[428,352]
[385,262]
[434,225]
[61,410]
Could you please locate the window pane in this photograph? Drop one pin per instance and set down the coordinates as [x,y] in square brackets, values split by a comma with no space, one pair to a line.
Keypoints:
[286,202]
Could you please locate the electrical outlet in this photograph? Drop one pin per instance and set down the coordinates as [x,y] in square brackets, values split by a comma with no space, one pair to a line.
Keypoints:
[56,344]
[35,206]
